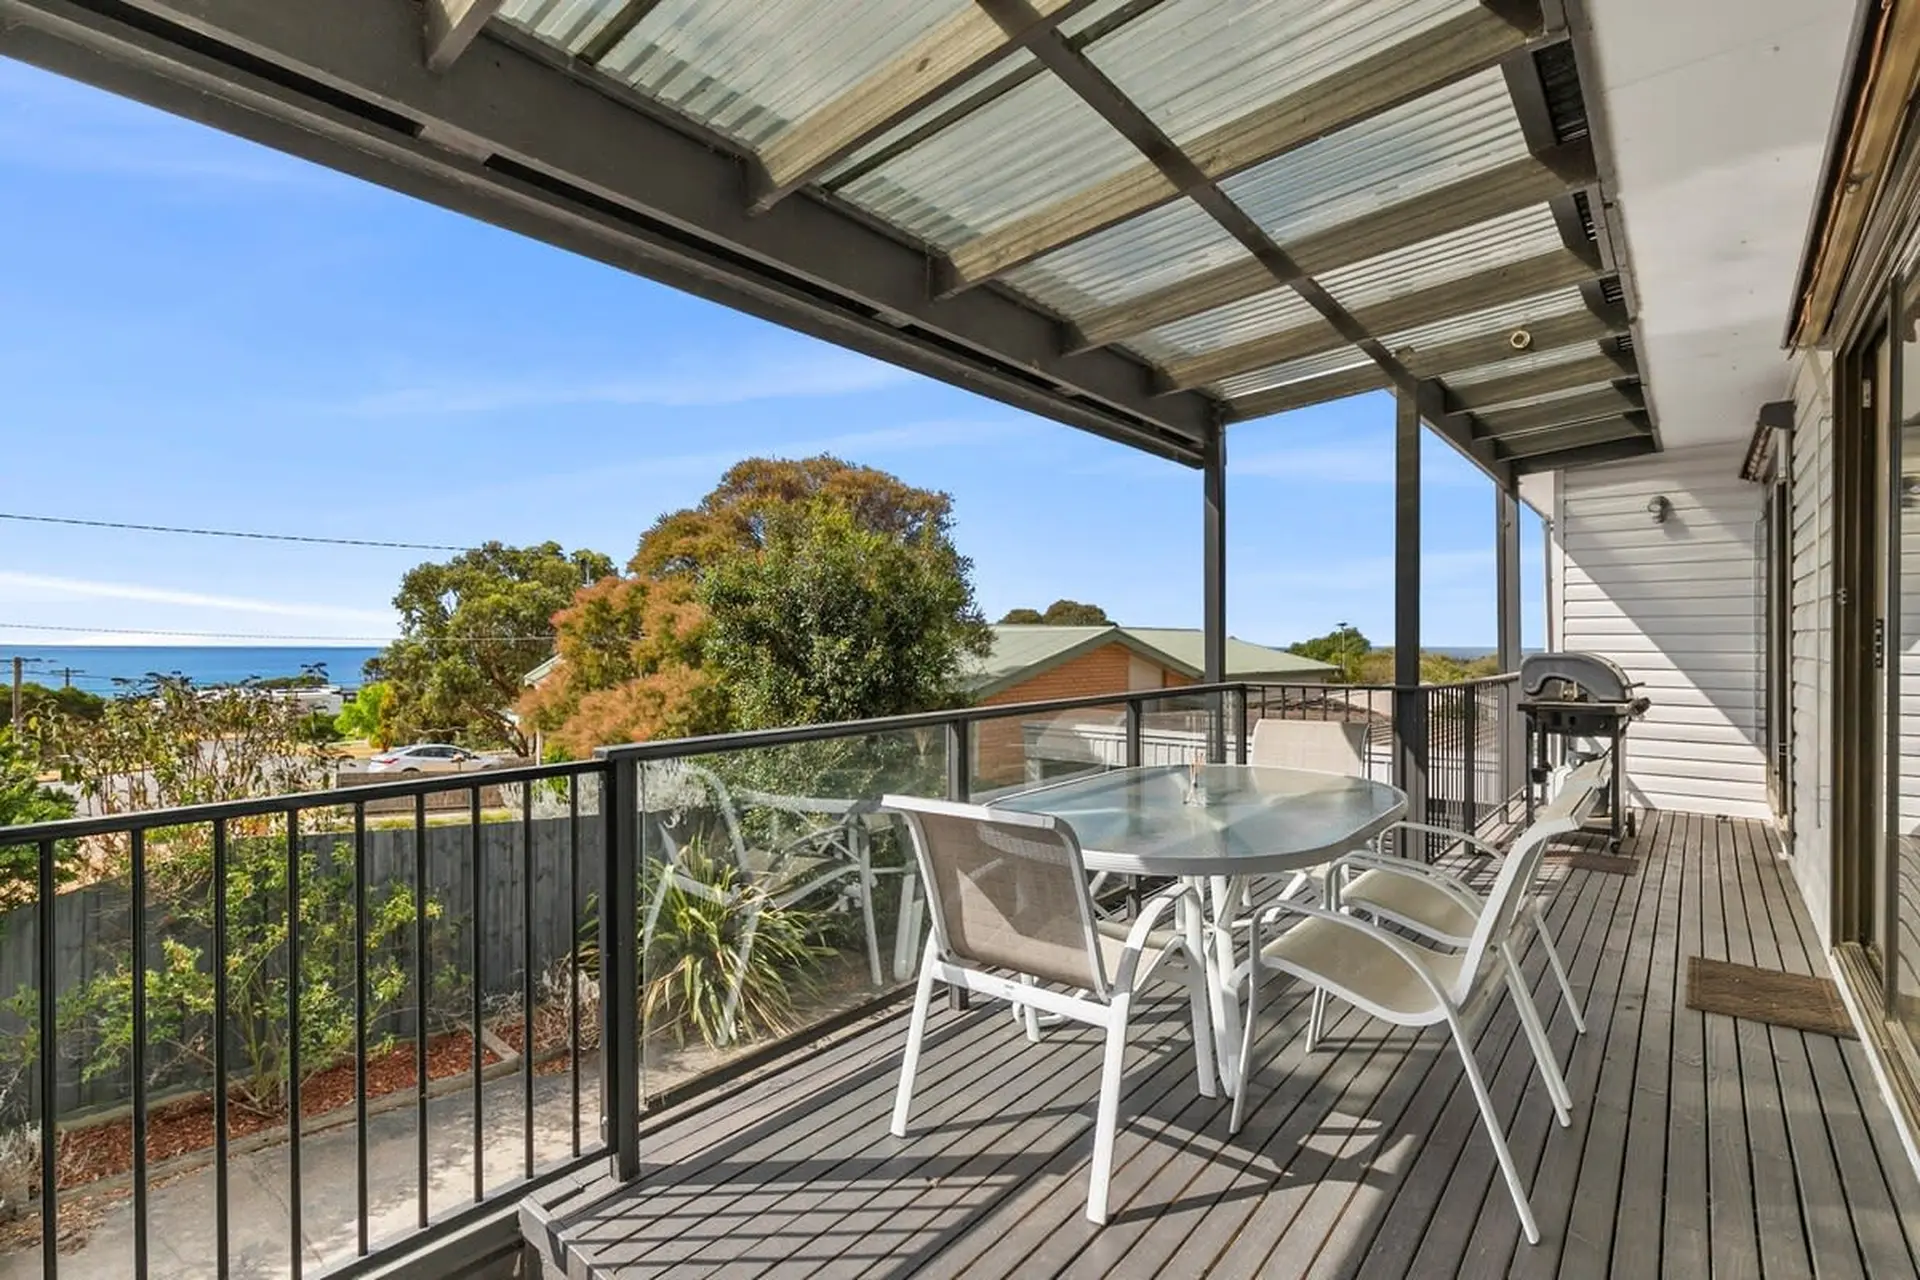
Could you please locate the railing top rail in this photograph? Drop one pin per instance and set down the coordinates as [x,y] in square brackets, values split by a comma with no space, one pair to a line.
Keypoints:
[672,748]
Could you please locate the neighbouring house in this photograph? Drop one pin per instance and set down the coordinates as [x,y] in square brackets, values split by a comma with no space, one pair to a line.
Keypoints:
[1037,663]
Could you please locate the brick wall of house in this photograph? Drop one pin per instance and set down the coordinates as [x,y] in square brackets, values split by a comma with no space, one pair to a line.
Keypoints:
[999,745]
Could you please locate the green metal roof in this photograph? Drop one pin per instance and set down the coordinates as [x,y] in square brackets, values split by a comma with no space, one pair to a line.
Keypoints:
[1021,652]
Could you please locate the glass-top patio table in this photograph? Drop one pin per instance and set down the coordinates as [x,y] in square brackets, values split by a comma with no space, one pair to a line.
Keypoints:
[1216,826]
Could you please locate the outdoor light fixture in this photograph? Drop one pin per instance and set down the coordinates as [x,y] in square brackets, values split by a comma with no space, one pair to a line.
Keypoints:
[1660,508]
[1520,340]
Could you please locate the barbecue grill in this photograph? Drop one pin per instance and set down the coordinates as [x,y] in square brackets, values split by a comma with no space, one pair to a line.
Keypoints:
[1578,699]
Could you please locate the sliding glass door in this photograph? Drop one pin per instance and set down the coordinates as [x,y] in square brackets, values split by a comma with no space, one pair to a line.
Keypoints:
[1897,655]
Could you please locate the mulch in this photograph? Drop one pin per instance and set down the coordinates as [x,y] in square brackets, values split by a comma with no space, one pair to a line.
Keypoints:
[178,1128]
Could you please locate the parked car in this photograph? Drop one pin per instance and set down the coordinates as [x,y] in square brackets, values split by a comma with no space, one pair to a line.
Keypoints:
[428,757]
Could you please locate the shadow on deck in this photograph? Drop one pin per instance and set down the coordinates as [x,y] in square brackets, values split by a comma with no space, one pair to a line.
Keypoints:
[1700,1145]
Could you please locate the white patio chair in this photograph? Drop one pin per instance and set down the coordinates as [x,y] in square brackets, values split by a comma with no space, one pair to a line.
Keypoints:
[1400,981]
[1010,912]
[1324,746]
[1429,901]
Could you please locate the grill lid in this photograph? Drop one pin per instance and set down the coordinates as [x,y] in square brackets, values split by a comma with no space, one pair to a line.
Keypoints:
[1573,677]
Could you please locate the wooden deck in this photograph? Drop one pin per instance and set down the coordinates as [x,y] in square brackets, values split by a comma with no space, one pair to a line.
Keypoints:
[1700,1146]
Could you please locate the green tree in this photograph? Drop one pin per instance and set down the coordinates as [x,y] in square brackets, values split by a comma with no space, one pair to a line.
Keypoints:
[1343,647]
[1061,613]
[837,621]
[39,700]
[169,743]
[360,717]
[471,629]
[795,591]
[24,800]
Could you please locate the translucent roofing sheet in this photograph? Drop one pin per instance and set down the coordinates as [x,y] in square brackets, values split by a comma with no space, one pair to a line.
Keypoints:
[1276,310]
[1523,364]
[1495,243]
[1194,65]
[1027,148]
[1444,137]
[1566,393]
[1500,319]
[1012,70]
[568,24]
[1293,371]
[750,70]
[1159,248]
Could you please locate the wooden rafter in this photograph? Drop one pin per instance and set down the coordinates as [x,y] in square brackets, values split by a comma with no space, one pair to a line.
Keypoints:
[452,26]
[953,53]
[1572,436]
[1587,371]
[1497,345]
[1463,46]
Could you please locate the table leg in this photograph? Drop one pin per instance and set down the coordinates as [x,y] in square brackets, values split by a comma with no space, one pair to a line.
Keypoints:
[1220,892]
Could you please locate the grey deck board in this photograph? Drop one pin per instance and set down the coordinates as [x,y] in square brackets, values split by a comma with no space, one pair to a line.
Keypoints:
[1699,1145]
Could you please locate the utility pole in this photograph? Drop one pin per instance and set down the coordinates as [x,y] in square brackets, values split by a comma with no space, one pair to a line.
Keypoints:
[18,717]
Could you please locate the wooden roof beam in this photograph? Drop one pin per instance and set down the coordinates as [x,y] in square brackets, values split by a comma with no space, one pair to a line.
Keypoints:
[1493,347]
[1510,188]
[1512,283]
[1298,395]
[969,43]
[452,26]
[1391,77]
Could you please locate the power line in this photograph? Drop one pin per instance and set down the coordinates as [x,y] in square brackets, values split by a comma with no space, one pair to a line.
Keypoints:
[357,641]
[230,533]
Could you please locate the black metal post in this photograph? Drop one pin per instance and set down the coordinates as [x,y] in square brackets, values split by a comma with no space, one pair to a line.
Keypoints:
[1214,575]
[477,850]
[959,761]
[1512,746]
[1410,708]
[619,970]
[420,1006]
[49,1065]
[360,1023]
[297,1245]
[526,973]
[1469,763]
[1135,715]
[573,953]
[221,1198]
[137,889]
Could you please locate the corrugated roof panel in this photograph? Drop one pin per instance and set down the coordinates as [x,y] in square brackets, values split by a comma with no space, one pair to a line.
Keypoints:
[1272,312]
[1194,65]
[1500,319]
[750,70]
[1444,137]
[1523,364]
[1156,249]
[1010,71]
[1292,371]
[566,24]
[1027,148]
[1485,245]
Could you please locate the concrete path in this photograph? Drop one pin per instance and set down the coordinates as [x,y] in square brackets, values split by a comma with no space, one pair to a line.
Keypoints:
[181,1236]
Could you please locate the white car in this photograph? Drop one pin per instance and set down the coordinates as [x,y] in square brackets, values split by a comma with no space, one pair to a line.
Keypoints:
[428,757]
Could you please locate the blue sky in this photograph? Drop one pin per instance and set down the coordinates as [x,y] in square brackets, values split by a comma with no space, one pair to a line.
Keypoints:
[195,330]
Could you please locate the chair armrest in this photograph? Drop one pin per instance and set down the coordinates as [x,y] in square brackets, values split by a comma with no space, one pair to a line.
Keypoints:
[1143,926]
[1458,837]
[1451,885]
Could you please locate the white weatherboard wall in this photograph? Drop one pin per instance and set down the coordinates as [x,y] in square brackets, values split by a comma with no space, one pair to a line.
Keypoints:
[1679,606]
[1810,499]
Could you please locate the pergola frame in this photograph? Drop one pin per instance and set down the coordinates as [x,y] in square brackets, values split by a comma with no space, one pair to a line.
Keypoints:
[446,101]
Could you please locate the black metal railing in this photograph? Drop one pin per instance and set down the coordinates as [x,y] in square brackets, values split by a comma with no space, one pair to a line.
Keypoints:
[540,906]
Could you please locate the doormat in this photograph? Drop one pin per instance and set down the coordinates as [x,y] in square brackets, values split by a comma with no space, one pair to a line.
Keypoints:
[1583,860]
[1767,995]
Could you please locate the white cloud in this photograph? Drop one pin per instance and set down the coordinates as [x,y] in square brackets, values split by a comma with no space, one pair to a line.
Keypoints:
[41,588]
[677,384]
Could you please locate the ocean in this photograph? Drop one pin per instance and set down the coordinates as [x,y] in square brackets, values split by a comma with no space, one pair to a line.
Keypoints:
[101,668]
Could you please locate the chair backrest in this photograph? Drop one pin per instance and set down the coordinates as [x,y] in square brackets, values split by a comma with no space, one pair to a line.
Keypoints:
[1514,881]
[1008,890]
[1325,746]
